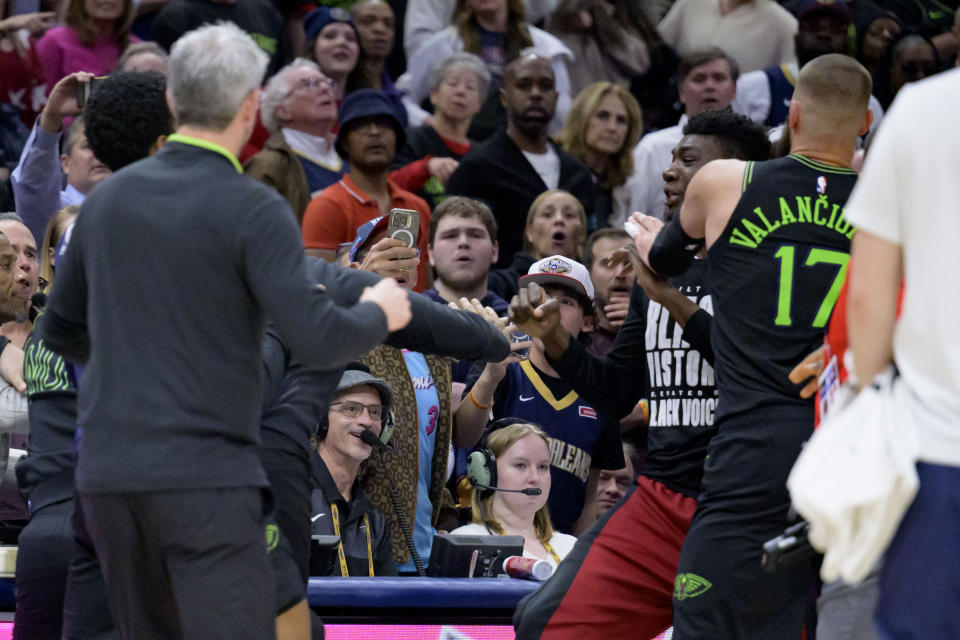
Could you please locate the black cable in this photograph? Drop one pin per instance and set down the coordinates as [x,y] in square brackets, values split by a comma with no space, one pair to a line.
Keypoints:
[401,516]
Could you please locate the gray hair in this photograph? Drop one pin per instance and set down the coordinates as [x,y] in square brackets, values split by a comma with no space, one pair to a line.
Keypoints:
[10,215]
[136,49]
[468,60]
[277,90]
[211,72]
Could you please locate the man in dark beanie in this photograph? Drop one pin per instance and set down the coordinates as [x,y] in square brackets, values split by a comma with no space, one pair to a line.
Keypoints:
[370,133]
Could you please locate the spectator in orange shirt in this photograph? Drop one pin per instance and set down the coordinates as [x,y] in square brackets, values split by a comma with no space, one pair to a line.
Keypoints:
[370,132]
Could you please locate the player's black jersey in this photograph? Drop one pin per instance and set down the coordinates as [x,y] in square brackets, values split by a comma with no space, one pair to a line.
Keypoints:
[775,274]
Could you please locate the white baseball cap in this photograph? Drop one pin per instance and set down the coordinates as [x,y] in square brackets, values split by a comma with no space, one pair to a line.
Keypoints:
[560,270]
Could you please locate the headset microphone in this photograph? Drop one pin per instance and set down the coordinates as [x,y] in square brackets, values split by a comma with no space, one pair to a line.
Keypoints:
[530,491]
[370,438]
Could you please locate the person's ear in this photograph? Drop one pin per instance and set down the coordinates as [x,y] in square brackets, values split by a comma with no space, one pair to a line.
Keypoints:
[867,121]
[589,324]
[65,164]
[496,252]
[157,145]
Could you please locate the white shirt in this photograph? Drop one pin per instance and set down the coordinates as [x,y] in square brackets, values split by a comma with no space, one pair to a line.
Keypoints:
[757,34]
[547,165]
[562,543]
[651,156]
[908,194]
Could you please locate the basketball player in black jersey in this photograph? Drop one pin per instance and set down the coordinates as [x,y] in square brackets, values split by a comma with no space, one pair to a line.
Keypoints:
[618,580]
[778,246]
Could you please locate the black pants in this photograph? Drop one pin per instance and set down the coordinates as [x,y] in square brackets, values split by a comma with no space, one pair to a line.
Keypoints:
[86,611]
[290,482]
[42,561]
[188,564]
[721,589]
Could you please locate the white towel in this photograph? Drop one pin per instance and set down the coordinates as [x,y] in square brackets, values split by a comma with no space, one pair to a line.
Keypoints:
[856,477]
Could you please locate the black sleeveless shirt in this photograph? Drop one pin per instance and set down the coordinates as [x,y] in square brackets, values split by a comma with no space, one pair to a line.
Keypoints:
[775,274]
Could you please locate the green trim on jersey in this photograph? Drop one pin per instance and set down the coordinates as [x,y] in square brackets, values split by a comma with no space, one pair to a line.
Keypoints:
[821,166]
[747,175]
[43,370]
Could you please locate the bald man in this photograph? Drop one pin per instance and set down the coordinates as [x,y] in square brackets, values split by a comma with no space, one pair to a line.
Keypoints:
[778,245]
[519,162]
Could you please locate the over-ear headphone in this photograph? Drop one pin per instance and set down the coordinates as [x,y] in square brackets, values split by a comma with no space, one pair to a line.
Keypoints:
[482,463]
[361,375]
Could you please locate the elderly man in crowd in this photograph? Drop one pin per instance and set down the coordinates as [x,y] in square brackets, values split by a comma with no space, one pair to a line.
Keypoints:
[299,109]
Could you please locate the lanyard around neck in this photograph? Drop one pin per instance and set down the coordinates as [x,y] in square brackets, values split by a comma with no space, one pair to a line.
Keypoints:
[335,514]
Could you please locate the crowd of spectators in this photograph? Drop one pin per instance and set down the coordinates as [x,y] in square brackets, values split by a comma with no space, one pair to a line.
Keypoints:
[520,135]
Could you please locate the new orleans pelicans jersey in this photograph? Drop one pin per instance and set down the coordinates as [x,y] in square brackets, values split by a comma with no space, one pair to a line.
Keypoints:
[775,274]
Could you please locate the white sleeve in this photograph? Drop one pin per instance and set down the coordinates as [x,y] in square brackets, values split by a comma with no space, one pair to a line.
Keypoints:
[564,100]
[423,19]
[415,81]
[13,410]
[672,23]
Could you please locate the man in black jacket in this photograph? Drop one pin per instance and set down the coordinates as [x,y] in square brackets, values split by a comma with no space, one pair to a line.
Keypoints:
[518,163]
[339,506]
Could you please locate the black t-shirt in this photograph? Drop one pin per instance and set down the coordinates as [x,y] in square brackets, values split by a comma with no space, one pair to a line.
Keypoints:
[775,274]
[642,363]
[683,394]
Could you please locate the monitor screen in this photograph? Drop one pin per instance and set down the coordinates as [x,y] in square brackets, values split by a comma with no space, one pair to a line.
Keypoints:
[460,556]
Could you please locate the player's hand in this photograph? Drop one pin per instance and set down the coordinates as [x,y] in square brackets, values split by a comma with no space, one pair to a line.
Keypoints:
[390,258]
[442,168]
[392,300]
[647,229]
[653,285]
[62,102]
[809,370]
[11,367]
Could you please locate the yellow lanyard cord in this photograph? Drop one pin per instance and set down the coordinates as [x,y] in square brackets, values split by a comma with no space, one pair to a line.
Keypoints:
[553,554]
[335,514]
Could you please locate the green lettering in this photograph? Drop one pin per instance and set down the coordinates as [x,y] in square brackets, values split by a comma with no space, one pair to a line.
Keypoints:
[833,215]
[755,231]
[739,237]
[821,201]
[804,210]
[786,215]
[770,228]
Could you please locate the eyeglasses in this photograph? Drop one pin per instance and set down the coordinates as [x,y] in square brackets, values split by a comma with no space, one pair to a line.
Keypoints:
[355,409]
[42,284]
[313,83]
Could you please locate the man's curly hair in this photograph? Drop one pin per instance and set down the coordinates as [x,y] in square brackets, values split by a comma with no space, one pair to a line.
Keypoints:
[125,115]
[738,136]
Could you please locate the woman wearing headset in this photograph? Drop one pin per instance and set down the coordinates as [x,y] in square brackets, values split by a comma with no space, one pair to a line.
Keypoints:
[515,458]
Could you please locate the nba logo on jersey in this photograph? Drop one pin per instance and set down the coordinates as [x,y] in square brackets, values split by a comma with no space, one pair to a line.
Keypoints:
[821,185]
[556,265]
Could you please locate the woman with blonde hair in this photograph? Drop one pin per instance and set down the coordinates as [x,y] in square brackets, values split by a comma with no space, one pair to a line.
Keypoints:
[57,226]
[496,31]
[556,225]
[92,38]
[516,457]
[604,125]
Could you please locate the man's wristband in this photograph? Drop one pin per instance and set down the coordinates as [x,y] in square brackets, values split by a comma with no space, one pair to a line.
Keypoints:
[477,404]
